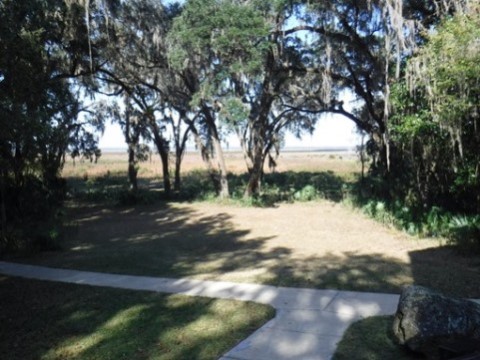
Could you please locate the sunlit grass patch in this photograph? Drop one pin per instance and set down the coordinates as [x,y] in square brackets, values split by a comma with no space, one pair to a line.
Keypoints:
[46,320]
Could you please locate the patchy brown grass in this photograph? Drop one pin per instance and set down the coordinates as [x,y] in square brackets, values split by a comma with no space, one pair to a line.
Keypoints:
[319,244]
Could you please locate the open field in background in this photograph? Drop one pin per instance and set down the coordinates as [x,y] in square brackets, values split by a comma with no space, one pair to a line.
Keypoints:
[116,162]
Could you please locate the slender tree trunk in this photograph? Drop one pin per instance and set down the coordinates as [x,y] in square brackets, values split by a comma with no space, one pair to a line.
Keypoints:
[162,148]
[163,151]
[224,191]
[180,146]
[132,168]
[180,151]
[132,171]
[243,145]
[177,183]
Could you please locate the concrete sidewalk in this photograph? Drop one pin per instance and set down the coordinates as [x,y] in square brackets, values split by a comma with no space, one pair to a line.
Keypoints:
[308,323]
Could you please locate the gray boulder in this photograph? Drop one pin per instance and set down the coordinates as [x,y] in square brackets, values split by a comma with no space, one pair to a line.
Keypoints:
[426,319]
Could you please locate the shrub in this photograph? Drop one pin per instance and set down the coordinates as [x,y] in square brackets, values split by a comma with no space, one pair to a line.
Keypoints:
[196,185]
[464,232]
[307,193]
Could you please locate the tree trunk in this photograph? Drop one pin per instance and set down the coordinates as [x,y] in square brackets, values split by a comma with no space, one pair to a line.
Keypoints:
[132,168]
[180,146]
[163,151]
[177,183]
[253,186]
[130,140]
[256,172]
[162,148]
[224,191]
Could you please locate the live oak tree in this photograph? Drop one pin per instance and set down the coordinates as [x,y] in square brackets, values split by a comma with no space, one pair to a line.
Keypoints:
[250,71]
[278,65]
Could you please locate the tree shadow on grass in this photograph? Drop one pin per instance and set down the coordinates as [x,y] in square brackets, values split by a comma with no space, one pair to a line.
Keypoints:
[346,271]
[372,338]
[178,241]
[447,270]
[172,240]
[63,321]
[160,240]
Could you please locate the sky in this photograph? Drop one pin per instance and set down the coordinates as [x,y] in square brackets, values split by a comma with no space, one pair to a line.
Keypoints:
[331,131]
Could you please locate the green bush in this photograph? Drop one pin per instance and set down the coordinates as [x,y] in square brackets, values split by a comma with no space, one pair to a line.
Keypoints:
[464,232]
[196,185]
[307,193]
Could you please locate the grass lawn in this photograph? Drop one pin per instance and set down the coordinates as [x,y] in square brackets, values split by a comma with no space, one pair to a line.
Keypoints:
[47,320]
[372,339]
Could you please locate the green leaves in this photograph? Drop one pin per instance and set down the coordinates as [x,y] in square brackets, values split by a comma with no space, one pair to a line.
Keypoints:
[436,120]
[218,34]
[448,67]
[234,111]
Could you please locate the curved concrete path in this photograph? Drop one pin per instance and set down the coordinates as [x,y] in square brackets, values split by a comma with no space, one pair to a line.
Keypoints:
[308,323]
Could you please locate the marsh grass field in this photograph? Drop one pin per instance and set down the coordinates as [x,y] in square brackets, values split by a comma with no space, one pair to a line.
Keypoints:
[115,162]
[325,243]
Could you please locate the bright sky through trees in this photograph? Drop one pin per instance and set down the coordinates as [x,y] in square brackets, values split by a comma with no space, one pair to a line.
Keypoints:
[331,131]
